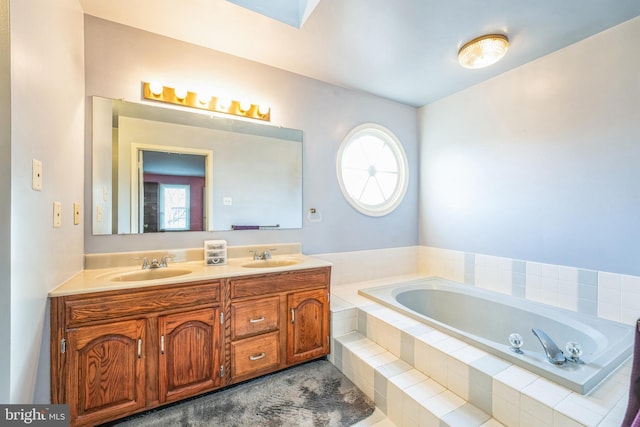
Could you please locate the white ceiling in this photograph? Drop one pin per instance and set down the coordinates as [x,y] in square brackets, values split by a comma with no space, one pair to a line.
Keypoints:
[404,50]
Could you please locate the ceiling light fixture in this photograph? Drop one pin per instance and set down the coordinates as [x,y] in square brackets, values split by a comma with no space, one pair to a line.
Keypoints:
[483,51]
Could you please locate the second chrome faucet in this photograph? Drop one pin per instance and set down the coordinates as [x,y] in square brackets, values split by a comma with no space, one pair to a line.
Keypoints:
[154,262]
[266,254]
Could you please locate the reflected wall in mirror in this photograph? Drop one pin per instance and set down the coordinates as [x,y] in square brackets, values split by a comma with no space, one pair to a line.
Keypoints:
[250,174]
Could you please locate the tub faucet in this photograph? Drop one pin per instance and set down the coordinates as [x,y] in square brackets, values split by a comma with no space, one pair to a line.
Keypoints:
[554,354]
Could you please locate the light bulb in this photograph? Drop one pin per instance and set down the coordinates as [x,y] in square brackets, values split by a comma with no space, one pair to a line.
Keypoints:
[204,99]
[223,104]
[181,93]
[155,88]
[244,105]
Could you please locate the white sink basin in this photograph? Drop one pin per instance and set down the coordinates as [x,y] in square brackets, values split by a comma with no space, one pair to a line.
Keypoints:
[150,274]
[271,263]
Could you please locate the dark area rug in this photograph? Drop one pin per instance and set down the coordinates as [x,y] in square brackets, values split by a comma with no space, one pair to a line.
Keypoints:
[313,394]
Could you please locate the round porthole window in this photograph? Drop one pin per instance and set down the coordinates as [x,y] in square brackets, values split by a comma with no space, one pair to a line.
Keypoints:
[372,169]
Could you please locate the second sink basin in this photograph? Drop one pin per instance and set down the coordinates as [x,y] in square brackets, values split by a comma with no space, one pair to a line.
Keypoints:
[150,274]
[270,263]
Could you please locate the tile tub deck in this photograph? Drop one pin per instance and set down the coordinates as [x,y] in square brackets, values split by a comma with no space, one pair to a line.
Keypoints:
[418,376]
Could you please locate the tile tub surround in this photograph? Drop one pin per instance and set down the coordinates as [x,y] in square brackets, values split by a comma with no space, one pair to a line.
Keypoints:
[419,376]
[607,295]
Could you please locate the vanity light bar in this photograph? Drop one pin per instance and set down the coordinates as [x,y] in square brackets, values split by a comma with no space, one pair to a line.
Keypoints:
[210,103]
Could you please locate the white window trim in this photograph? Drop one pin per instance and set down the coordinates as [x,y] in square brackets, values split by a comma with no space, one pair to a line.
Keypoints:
[395,145]
[162,213]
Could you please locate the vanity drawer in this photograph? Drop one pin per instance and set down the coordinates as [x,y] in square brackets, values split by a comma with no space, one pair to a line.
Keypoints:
[254,317]
[104,306]
[255,354]
[279,282]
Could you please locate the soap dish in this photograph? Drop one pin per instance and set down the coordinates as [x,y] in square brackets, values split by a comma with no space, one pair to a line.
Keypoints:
[215,252]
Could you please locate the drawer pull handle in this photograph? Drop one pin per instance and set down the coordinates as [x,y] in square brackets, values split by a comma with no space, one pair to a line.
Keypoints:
[139,348]
[258,320]
[258,357]
[162,344]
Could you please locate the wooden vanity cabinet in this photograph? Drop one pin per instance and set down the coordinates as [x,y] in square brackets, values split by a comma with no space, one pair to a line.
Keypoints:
[278,320]
[119,352]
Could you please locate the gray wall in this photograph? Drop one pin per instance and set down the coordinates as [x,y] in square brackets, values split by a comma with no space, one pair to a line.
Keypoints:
[119,58]
[47,117]
[541,163]
[5,197]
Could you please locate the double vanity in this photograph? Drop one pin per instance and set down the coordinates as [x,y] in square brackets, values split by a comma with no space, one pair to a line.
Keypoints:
[127,339]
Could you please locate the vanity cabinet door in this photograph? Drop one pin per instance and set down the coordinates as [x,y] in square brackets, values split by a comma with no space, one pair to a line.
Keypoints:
[308,327]
[106,371]
[189,353]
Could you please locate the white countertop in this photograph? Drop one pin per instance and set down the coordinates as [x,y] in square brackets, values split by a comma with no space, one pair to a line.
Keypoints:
[100,279]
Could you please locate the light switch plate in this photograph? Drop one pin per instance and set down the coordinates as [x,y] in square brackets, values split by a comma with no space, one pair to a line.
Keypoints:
[36,175]
[76,213]
[57,214]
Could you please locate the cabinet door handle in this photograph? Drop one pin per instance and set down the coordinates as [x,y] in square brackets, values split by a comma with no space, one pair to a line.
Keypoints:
[257,320]
[293,315]
[139,348]
[257,357]
[162,344]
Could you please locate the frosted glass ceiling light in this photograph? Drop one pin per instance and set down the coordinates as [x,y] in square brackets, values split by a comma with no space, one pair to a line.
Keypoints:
[483,51]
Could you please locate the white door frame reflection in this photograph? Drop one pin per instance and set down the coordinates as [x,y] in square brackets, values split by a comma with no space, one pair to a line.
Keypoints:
[137,181]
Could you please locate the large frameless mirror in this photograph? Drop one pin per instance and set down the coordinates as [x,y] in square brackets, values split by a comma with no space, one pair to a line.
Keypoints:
[157,169]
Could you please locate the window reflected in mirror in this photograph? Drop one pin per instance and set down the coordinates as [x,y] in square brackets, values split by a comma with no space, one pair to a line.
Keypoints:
[174,213]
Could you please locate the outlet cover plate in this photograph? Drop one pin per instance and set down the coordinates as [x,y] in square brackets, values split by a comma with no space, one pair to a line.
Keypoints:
[57,214]
[36,175]
[76,213]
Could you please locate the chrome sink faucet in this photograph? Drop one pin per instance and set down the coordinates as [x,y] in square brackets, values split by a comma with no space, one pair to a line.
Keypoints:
[554,354]
[146,265]
[163,263]
[266,254]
